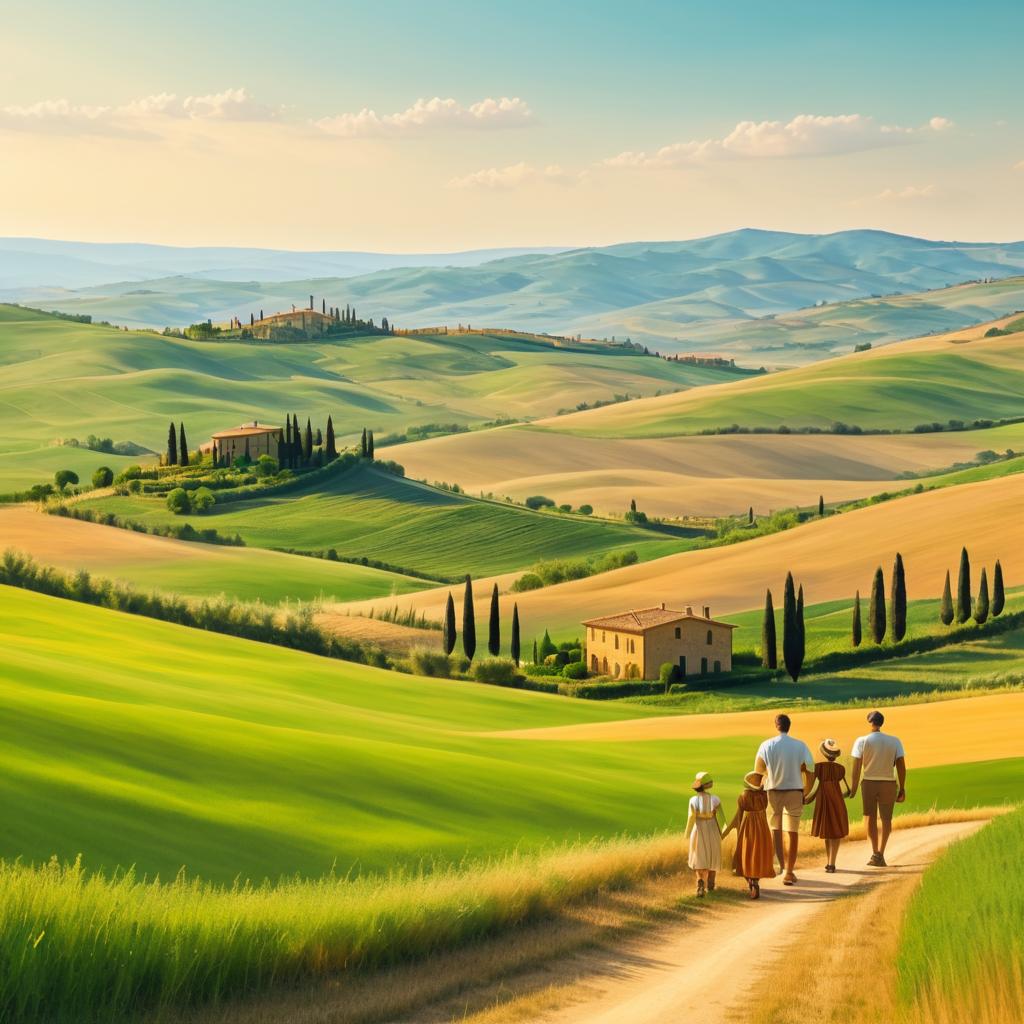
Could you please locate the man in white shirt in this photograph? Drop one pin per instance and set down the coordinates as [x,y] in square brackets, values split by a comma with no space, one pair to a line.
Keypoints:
[783,761]
[880,759]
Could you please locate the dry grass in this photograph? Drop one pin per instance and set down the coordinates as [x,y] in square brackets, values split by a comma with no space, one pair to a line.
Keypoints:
[389,636]
[832,558]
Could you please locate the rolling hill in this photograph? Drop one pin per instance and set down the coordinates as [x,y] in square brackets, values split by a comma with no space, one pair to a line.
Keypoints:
[65,379]
[665,294]
[366,512]
[962,375]
[168,747]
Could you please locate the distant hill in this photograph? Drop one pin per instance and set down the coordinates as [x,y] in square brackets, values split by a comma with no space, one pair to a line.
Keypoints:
[709,294]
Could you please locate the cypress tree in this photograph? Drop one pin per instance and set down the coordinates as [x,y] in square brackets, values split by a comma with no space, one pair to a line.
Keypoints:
[494,626]
[790,630]
[468,620]
[285,455]
[332,450]
[876,609]
[946,608]
[296,443]
[769,643]
[182,448]
[362,444]
[369,445]
[534,650]
[514,648]
[280,449]
[318,439]
[981,607]
[998,594]
[307,443]
[963,588]
[855,632]
[449,625]
[801,632]
[899,600]
[821,504]
[172,445]
[750,515]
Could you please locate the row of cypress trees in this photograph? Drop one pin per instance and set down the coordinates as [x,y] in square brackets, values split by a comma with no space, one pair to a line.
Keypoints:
[793,636]
[965,607]
[366,444]
[878,620]
[177,446]
[469,625]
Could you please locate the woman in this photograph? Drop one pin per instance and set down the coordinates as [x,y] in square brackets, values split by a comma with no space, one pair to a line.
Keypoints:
[705,833]
[831,821]
[755,851]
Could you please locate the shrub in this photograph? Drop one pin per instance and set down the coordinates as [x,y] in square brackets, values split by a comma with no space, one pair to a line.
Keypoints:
[498,671]
[103,477]
[266,466]
[668,674]
[536,501]
[203,500]
[574,670]
[134,486]
[65,477]
[585,510]
[528,581]
[128,473]
[178,501]
[428,662]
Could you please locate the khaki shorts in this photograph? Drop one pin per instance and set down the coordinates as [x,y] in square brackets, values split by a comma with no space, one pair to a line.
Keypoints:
[879,797]
[787,809]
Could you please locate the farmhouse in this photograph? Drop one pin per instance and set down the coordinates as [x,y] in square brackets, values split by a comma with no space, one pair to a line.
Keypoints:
[635,644]
[308,321]
[248,440]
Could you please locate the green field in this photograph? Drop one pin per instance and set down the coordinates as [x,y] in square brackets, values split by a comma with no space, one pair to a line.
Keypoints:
[367,512]
[128,740]
[897,387]
[64,379]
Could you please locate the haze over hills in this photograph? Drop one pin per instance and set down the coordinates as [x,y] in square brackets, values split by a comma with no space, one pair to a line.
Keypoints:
[717,293]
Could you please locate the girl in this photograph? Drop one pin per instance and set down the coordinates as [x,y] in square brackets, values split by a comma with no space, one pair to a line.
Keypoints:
[831,822]
[755,851]
[705,833]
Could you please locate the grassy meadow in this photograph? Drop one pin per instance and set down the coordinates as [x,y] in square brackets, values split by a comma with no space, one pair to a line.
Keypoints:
[962,946]
[369,512]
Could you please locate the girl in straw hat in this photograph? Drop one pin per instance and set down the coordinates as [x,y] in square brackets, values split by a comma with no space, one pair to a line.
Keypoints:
[705,833]
[831,821]
[755,851]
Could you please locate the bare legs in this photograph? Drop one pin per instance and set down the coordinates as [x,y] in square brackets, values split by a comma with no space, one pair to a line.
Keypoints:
[702,881]
[777,838]
[878,844]
[785,852]
[832,851]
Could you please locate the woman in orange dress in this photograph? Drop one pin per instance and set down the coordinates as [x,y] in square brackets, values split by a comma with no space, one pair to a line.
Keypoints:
[831,821]
[755,851]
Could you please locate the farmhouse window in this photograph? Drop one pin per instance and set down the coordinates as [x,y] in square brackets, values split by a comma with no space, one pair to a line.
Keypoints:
[616,641]
[710,638]
[679,633]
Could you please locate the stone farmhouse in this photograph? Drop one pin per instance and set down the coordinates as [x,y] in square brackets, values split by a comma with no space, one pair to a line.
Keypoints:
[248,440]
[635,644]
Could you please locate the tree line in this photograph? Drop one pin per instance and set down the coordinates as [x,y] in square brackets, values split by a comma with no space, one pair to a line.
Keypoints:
[448,630]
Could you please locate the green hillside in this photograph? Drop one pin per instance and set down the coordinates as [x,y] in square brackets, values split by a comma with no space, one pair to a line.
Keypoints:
[959,377]
[65,379]
[132,741]
[366,512]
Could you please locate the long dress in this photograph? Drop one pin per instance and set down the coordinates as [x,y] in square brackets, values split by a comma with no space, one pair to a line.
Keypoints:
[755,850]
[706,837]
[830,818]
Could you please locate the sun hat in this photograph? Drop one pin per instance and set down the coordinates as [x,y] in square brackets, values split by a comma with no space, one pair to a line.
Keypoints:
[830,748]
[703,781]
[750,777]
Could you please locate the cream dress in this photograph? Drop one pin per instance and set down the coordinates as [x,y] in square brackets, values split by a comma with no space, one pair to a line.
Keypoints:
[706,837]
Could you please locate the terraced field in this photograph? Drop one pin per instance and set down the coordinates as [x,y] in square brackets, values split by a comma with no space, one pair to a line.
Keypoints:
[368,512]
[168,746]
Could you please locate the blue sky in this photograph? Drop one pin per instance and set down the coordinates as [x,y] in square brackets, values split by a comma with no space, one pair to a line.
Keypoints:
[931,143]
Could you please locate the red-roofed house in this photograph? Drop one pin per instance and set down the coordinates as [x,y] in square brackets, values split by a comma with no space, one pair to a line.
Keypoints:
[635,644]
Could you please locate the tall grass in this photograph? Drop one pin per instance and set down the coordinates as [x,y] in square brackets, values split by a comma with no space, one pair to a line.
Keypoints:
[962,950]
[77,947]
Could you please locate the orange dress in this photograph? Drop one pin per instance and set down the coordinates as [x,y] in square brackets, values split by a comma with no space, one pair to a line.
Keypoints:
[830,818]
[755,851]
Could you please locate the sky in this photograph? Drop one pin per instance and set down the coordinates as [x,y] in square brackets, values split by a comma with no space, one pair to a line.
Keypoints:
[397,126]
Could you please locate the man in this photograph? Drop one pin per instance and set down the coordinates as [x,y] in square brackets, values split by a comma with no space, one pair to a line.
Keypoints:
[879,757]
[783,761]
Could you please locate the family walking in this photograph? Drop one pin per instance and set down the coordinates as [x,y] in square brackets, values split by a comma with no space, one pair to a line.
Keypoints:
[785,778]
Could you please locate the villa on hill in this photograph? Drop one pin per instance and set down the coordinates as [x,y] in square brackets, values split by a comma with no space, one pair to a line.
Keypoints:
[635,644]
[250,440]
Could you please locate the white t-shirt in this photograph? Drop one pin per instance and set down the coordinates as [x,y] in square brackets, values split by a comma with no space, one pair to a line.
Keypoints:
[878,752]
[783,757]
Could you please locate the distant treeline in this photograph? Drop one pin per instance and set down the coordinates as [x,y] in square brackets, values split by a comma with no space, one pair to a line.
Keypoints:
[838,427]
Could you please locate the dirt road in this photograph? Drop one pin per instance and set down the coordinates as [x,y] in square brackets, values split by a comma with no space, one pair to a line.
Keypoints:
[701,971]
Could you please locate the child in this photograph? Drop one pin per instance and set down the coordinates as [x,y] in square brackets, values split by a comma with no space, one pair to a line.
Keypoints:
[755,850]
[831,821]
[705,833]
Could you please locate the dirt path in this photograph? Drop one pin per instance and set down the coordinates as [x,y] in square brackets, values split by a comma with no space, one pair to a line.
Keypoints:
[693,972]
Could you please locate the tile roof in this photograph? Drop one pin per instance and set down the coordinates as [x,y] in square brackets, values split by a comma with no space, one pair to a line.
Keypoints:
[642,619]
[253,429]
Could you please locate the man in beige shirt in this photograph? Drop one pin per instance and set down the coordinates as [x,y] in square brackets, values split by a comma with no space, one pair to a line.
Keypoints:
[879,758]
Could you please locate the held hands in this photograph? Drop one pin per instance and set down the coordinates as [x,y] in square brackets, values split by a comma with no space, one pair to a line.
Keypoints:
[850,794]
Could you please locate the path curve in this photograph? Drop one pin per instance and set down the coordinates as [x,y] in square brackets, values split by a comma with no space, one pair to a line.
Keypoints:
[693,971]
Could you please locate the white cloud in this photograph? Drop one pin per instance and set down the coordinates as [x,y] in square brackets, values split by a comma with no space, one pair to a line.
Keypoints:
[514,175]
[139,117]
[423,115]
[909,192]
[806,135]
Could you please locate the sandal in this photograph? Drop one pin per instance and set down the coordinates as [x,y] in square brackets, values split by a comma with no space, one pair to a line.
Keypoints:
[789,879]
[757,890]
[700,888]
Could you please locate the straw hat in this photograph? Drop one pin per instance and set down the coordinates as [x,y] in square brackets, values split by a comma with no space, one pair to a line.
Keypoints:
[753,780]
[703,781]
[830,749]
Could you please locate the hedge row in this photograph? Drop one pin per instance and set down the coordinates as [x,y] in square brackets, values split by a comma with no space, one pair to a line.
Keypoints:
[178,531]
